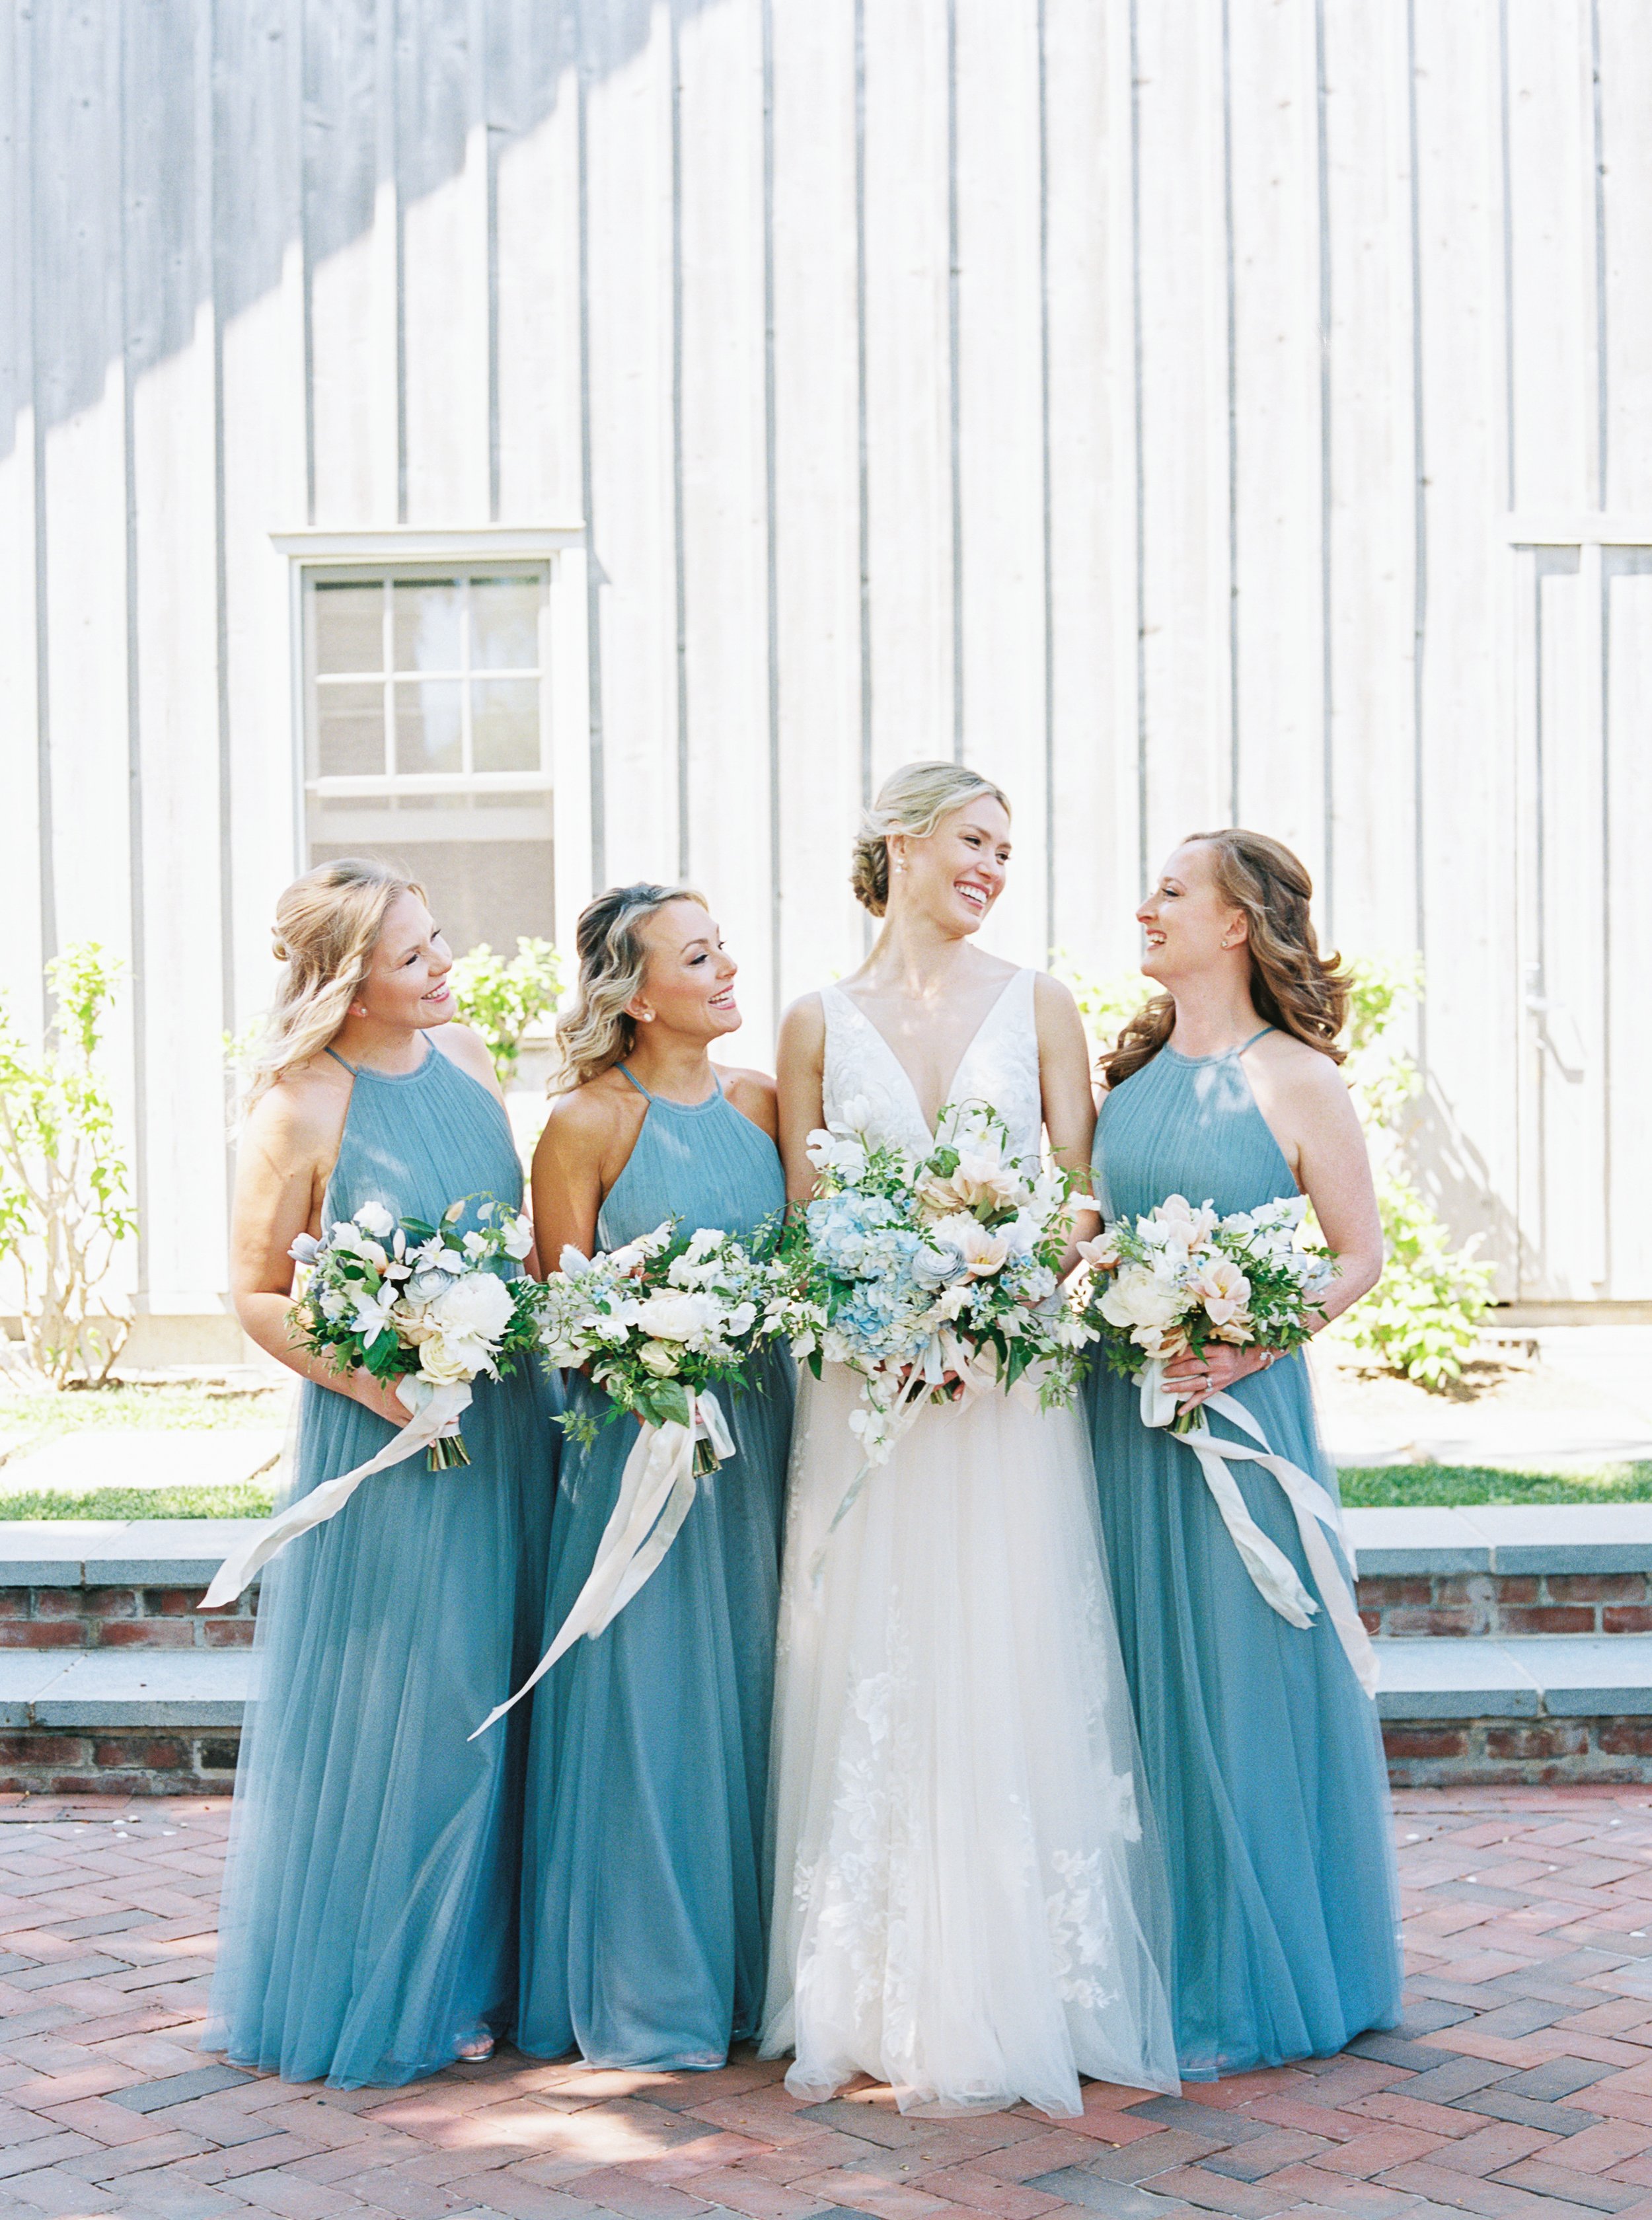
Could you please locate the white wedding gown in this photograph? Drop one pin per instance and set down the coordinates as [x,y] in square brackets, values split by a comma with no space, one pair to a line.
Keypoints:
[969,1897]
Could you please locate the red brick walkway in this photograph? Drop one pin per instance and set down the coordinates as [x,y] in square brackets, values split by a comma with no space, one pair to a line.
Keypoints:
[1520,2088]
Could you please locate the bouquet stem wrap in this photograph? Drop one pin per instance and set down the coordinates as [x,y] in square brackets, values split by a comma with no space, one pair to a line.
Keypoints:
[1272,1572]
[435,1409]
[655,1491]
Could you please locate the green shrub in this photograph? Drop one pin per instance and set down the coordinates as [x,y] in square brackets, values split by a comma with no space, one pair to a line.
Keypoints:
[64,1206]
[503,999]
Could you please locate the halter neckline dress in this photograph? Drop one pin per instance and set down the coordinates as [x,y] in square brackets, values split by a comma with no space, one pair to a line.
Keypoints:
[645,1886]
[1263,1753]
[369,1903]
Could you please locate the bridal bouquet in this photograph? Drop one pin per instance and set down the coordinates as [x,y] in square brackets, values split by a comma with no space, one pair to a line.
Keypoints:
[418,1304]
[934,1277]
[1179,1278]
[657,1324]
[420,1307]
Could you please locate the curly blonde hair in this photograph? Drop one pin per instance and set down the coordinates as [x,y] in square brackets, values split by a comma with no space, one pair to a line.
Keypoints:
[1291,985]
[327,927]
[913,800]
[597,1032]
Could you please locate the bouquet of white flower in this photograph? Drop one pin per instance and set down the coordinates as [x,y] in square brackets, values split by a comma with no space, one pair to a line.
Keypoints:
[657,1324]
[934,1278]
[421,1308]
[1178,1279]
[418,1305]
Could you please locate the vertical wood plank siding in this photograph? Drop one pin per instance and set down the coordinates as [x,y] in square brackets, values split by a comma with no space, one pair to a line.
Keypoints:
[1179,410]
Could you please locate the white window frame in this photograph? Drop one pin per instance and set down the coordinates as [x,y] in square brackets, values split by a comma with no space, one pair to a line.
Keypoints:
[559,553]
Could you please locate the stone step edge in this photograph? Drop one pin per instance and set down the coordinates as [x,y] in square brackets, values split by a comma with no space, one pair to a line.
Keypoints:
[1390,1542]
[1514,1677]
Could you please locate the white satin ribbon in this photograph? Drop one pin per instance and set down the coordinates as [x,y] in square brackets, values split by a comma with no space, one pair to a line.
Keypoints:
[1316,1513]
[436,1410]
[941,1353]
[655,1491]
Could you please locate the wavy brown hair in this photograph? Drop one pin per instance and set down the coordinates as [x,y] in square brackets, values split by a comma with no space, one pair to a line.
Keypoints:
[1293,986]
[598,1032]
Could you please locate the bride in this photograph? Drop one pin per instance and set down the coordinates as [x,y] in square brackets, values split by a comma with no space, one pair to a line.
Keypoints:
[968,1899]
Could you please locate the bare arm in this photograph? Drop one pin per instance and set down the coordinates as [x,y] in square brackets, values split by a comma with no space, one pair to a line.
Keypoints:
[799,1061]
[1069,1105]
[568,1175]
[1306,1103]
[286,1152]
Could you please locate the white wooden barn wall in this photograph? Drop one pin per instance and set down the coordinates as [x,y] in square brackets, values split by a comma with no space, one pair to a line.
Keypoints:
[1183,409]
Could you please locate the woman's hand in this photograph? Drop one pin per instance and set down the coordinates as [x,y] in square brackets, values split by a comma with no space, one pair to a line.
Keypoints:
[378,1396]
[1193,1379]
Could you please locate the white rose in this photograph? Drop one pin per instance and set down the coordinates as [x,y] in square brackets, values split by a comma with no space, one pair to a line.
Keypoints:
[1142,1298]
[446,1361]
[374,1218]
[477,1307]
[654,1356]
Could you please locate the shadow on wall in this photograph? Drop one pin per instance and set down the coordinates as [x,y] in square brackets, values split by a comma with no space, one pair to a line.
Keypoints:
[1457,1181]
[169,156]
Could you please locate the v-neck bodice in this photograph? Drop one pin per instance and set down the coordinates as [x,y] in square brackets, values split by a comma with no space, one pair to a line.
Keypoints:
[999,1067]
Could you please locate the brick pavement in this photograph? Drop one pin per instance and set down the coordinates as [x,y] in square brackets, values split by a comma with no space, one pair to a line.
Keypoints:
[1518,2088]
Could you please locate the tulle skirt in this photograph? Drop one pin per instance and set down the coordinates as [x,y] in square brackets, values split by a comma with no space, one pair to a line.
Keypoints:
[643,1900]
[1263,1755]
[369,1921]
[970,1901]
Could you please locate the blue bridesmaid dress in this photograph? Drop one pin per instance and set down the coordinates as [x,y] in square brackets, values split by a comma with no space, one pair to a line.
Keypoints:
[369,1921]
[644,1889]
[1263,1755]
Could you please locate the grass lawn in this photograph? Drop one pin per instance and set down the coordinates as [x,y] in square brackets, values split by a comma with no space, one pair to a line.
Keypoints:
[1404,1484]
[251,1499]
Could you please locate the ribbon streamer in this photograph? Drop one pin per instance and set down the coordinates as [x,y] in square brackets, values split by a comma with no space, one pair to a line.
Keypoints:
[1315,1510]
[436,1410]
[942,1353]
[656,1490]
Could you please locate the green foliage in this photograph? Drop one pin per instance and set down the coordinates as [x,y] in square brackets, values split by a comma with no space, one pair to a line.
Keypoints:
[1411,1484]
[1421,1318]
[1105,1005]
[64,1206]
[502,998]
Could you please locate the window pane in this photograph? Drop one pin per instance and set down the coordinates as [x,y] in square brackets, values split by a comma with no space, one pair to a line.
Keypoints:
[484,860]
[504,624]
[427,625]
[349,627]
[428,725]
[505,725]
[350,731]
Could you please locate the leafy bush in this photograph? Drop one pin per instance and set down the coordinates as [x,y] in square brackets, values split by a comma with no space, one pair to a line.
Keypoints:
[64,1207]
[1421,1318]
[502,998]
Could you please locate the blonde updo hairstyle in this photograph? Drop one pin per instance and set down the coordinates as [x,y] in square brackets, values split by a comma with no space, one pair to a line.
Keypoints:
[1293,986]
[327,925]
[599,1031]
[913,800]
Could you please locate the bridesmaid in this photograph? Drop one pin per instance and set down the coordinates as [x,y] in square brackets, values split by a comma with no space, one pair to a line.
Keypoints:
[369,1923]
[644,1896]
[1262,1752]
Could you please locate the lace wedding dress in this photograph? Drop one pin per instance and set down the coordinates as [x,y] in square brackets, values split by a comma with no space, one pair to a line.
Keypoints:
[968,1899]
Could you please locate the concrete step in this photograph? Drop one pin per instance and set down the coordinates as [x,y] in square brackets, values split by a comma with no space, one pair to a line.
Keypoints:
[118,1584]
